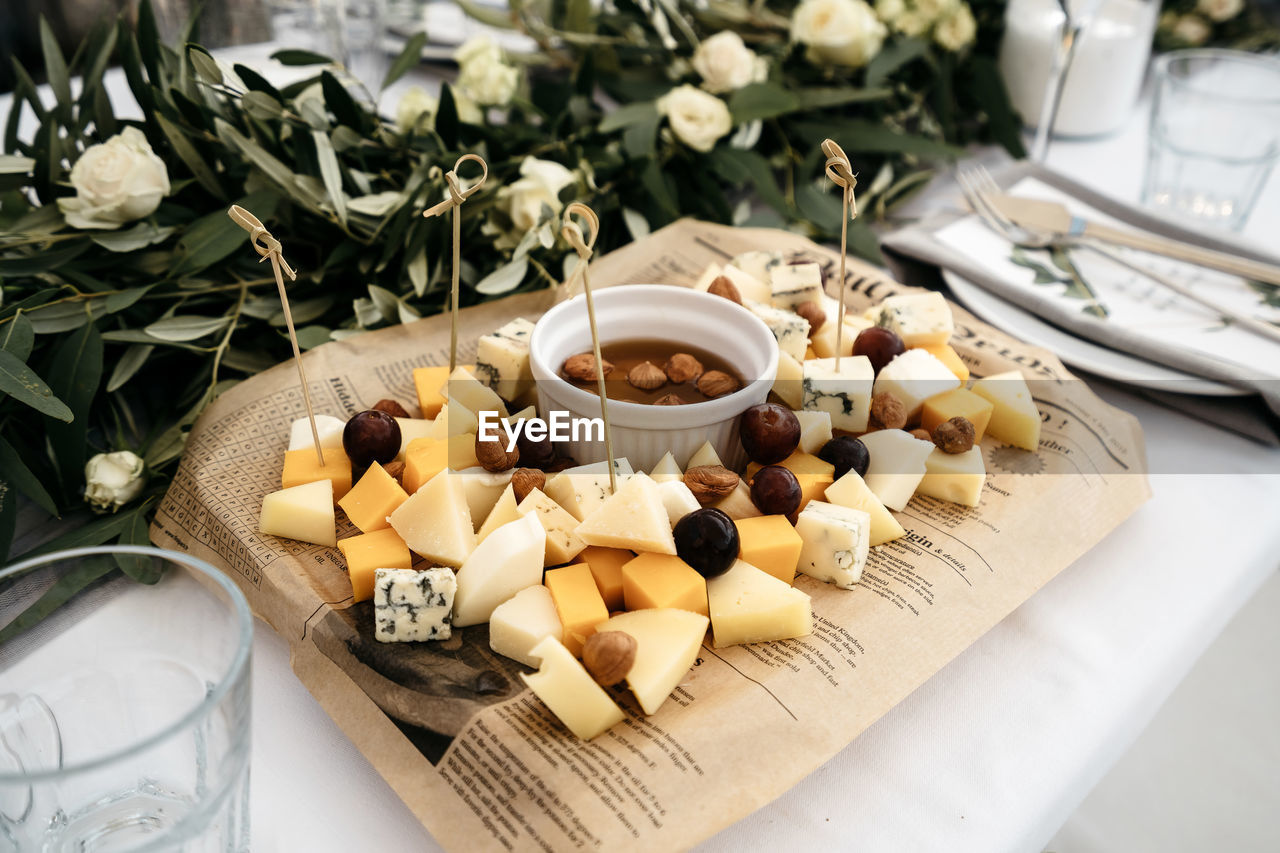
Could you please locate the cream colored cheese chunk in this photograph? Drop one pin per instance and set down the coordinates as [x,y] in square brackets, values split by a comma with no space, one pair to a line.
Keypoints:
[955,477]
[634,517]
[506,562]
[897,465]
[752,606]
[302,512]
[1015,419]
[521,622]
[667,644]
[568,690]
[436,522]
[851,491]
[562,543]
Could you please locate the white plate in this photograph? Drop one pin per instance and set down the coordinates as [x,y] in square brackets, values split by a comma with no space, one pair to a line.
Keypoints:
[1078,352]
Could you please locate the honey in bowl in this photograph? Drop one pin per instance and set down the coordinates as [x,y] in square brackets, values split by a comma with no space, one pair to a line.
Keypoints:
[655,372]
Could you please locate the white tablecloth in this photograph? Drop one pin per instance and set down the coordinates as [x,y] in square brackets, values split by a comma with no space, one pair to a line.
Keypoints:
[998,748]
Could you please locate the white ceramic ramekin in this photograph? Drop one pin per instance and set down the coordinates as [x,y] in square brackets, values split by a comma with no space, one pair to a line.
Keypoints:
[644,433]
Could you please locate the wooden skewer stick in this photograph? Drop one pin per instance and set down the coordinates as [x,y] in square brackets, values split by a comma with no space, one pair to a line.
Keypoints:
[582,245]
[457,196]
[269,247]
[841,174]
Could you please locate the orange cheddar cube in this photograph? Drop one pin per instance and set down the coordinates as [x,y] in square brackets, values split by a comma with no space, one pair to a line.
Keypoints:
[771,544]
[423,459]
[462,451]
[302,467]
[809,353]
[578,603]
[813,487]
[958,402]
[663,580]
[432,384]
[945,354]
[606,567]
[371,500]
[798,463]
[368,552]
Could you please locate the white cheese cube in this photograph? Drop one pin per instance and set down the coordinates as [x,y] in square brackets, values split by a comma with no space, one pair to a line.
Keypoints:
[521,622]
[955,477]
[666,470]
[436,521]
[749,605]
[897,465]
[913,377]
[621,468]
[791,330]
[845,394]
[502,359]
[920,319]
[749,286]
[411,606]
[329,428]
[634,517]
[1015,419]
[562,543]
[795,284]
[579,494]
[759,265]
[301,512]
[667,645]
[570,692]
[851,491]
[454,419]
[678,500]
[788,383]
[824,341]
[815,430]
[704,455]
[410,428]
[465,389]
[507,561]
[835,539]
[708,275]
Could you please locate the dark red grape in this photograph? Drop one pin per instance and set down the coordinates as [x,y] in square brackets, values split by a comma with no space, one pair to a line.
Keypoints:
[769,432]
[707,539]
[370,437]
[879,345]
[847,454]
[775,490]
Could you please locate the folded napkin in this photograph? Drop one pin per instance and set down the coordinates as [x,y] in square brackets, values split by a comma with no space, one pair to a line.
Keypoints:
[1145,319]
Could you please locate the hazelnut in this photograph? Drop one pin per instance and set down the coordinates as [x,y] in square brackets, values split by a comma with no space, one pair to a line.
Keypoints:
[525,480]
[395,469]
[722,286]
[391,407]
[682,367]
[812,312]
[888,411]
[559,464]
[717,383]
[710,483]
[669,400]
[922,434]
[954,436]
[582,367]
[647,376]
[609,656]
[493,455]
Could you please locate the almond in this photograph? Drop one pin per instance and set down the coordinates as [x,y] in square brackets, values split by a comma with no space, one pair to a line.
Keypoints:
[717,383]
[722,286]
[582,367]
[710,483]
[682,367]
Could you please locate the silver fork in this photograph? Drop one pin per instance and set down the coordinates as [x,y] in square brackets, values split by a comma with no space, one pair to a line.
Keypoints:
[977,185]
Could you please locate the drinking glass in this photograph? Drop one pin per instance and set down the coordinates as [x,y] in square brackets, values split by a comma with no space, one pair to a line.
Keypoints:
[124,713]
[1215,134]
[352,32]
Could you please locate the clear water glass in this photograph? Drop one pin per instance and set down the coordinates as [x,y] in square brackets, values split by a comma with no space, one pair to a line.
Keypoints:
[124,714]
[353,32]
[1215,134]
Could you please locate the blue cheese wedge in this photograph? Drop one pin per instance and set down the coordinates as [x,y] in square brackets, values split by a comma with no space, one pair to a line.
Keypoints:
[759,265]
[791,330]
[411,606]
[844,394]
[913,377]
[836,539]
[920,319]
[502,359]
[795,284]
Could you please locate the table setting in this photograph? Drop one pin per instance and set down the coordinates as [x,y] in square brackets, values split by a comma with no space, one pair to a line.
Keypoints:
[233,494]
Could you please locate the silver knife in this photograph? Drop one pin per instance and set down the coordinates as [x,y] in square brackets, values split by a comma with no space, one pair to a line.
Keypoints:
[1055,218]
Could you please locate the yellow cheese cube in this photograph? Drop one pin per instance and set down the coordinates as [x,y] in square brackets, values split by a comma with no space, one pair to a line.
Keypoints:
[813,487]
[798,463]
[462,451]
[851,491]
[957,403]
[368,552]
[301,466]
[430,384]
[606,567]
[955,477]
[578,603]
[564,686]
[945,354]
[809,353]
[371,500]
[663,580]
[301,512]
[423,459]
[563,544]
[410,429]
[1014,419]
[771,544]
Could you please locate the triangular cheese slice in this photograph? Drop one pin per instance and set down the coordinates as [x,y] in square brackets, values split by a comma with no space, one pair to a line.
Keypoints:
[667,644]
[503,512]
[436,522]
[851,491]
[704,455]
[505,563]
[562,543]
[752,606]
[666,470]
[634,517]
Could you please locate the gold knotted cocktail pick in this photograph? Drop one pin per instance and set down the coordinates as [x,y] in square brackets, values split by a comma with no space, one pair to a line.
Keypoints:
[457,196]
[582,245]
[841,174]
[268,247]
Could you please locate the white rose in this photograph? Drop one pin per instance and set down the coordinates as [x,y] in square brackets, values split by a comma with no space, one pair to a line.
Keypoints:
[116,181]
[957,29]
[539,185]
[415,110]
[890,11]
[838,32]
[1192,30]
[725,63]
[697,118]
[484,75]
[468,110]
[1220,10]
[112,480]
[478,47]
